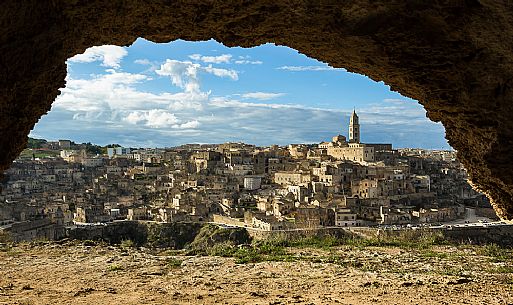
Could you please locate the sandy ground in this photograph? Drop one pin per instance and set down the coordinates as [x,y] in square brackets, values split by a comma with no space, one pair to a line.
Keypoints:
[78,274]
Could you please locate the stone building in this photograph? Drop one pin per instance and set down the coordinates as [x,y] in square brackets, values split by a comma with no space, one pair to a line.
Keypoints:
[352,150]
[252,182]
[292,178]
[345,217]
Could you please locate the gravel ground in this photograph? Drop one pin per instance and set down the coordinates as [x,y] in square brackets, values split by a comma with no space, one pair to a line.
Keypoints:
[73,273]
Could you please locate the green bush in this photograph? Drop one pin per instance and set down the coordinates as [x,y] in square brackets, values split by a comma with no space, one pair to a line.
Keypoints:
[127,243]
[263,252]
[324,242]
[88,242]
[212,238]
[225,249]
[115,267]
[174,262]
[5,237]
[497,253]
[403,239]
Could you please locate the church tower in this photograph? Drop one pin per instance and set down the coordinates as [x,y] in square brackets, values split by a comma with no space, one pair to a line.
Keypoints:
[354,128]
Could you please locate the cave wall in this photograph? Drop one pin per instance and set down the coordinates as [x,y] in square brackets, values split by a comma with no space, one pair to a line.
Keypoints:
[454,57]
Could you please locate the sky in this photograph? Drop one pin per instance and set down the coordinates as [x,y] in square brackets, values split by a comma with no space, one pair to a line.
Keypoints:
[168,94]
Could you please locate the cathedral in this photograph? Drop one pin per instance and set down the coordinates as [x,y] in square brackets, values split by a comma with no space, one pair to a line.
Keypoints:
[342,149]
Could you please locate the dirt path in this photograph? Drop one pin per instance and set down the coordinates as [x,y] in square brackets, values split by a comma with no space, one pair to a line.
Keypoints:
[56,274]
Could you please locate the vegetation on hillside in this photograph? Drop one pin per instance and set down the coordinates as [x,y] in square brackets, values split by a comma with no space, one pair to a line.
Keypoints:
[35,143]
[40,144]
[212,236]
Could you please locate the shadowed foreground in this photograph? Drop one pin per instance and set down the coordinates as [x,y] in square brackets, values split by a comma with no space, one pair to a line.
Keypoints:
[99,274]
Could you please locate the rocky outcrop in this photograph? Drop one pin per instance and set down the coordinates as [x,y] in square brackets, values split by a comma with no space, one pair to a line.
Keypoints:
[211,235]
[173,235]
[455,57]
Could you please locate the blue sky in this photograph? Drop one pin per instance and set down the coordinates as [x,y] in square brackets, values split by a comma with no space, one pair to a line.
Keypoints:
[161,95]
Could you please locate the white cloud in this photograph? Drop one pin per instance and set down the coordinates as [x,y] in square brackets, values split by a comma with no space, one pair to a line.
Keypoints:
[306,68]
[222,72]
[262,95]
[195,56]
[113,99]
[109,55]
[110,90]
[225,58]
[135,117]
[188,125]
[248,62]
[220,119]
[395,112]
[159,118]
[116,92]
[143,61]
[223,102]
[245,60]
[184,74]
[155,118]
[185,100]
[152,65]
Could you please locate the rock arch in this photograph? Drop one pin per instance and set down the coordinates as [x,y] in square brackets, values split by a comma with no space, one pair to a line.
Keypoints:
[454,56]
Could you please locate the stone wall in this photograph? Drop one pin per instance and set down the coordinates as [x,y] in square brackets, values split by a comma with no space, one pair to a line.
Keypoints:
[501,235]
[228,221]
[40,229]
[179,234]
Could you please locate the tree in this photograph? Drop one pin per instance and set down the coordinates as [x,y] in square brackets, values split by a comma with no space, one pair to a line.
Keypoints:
[92,149]
[35,143]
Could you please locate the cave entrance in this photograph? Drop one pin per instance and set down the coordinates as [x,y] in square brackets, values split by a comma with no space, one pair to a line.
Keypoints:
[453,57]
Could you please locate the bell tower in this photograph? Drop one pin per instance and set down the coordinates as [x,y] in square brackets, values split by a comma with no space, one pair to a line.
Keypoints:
[354,128]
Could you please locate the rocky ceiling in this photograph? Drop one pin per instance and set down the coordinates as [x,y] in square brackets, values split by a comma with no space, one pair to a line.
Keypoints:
[454,57]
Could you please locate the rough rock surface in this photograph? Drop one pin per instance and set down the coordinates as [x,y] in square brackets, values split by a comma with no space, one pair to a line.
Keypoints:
[455,57]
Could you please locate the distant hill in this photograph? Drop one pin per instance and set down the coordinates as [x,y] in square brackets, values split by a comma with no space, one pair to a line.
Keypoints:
[92,149]
[35,143]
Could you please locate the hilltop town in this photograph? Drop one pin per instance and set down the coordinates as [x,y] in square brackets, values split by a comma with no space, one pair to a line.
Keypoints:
[337,183]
